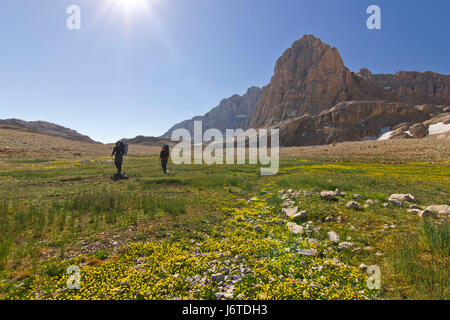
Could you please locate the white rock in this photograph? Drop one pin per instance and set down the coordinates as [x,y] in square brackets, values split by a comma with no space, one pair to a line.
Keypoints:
[441,209]
[328,195]
[345,245]
[352,205]
[290,212]
[301,214]
[307,252]
[333,236]
[295,228]
[402,197]
[357,196]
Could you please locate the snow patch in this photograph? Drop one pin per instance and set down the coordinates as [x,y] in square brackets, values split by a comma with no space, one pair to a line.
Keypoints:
[385,133]
[438,128]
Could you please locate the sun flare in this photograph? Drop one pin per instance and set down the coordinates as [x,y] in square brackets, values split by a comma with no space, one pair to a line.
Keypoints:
[132,4]
[133,7]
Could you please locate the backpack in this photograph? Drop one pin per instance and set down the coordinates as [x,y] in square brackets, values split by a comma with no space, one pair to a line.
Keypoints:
[167,148]
[125,149]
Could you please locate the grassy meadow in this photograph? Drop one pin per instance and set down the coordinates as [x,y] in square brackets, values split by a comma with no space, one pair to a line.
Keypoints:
[156,236]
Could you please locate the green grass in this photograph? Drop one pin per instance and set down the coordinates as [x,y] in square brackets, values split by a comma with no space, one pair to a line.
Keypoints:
[421,267]
[50,210]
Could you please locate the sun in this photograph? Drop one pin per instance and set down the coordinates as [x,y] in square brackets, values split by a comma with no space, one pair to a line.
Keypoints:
[132,4]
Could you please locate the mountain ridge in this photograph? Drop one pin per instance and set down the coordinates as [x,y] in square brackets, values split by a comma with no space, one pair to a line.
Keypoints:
[44,127]
[310,78]
[231,113]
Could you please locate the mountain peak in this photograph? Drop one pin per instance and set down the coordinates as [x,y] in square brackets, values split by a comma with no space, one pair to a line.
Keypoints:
[310,77]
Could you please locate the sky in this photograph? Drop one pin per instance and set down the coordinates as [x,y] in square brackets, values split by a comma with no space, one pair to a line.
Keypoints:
[137,67]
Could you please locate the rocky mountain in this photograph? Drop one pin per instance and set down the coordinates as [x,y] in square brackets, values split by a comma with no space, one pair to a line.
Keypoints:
[362,120]
[314,99]
[231,113]
[46,128]
[310,77]
[148,141]
[413,87]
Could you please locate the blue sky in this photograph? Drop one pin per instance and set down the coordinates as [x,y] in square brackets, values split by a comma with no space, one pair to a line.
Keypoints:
[123,75]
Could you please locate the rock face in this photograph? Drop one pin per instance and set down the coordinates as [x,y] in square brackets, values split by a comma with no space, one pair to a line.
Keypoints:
[310,77]
[314,99]
[348,121]
[413,87]
[231,113]
[46,128]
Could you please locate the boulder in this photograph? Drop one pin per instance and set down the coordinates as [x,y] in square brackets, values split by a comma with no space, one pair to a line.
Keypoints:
[427,214]
[346,245]
[418,130]
[290,212]
[328,195]
[369,203]
[333,236]
[441,209]
[300,215]
[295,228]
[352,205]
[403,197]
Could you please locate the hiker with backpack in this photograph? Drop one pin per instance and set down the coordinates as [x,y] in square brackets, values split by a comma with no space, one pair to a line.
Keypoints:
[164,156]
[118,152]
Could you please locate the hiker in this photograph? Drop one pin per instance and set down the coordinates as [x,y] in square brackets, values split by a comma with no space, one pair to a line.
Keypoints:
[164,156]
[118,152]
